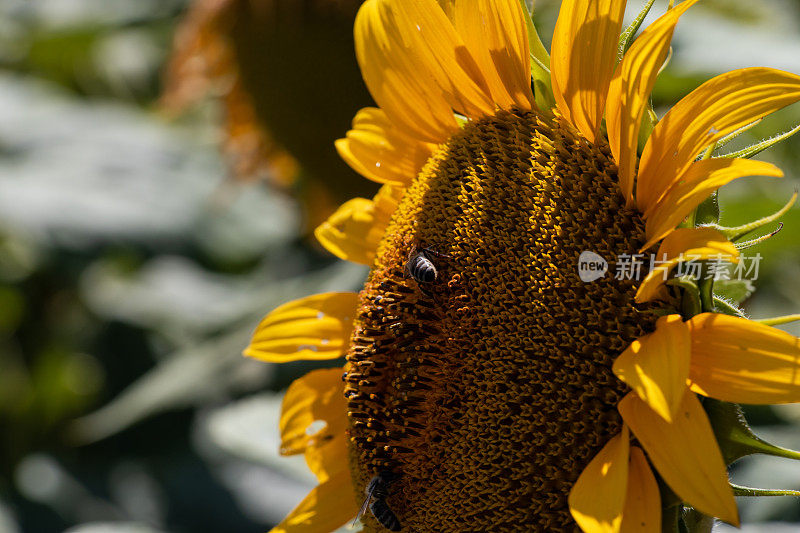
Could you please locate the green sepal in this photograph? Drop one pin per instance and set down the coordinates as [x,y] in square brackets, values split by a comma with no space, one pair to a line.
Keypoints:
[649,121]
[706,287]
[660,311]
[709,152]
[719,143]
[708,211]
[752,242]
[540,65]
[670,520]
[666,62]
[738,490]
[734,436]
[734,290]
[535,45]
[671,507]
[626,37]
[721,305]
[542,86]
[737,232]
[760,146]
[696,522]
[778,321]
[691,304]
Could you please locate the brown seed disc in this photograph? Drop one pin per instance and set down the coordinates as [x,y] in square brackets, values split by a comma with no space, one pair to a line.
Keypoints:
[489,389]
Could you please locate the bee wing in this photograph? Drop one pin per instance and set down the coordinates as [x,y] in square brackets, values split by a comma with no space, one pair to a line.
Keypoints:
[363,506]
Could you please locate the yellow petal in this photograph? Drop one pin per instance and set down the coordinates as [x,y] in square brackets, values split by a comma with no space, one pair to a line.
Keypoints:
[642,511]
[316,328]
[327,507]
[684,244]
[598,496]
[583,57]
[630,90]
[412,100]
[329,458]
[414,40]
[448,6]
[439,53]
[656,366]
[379,151]
[737,360]
[685,453]
[318,399]
[355,229]
[693,186]
[496,36]
[716,108]
[317,396]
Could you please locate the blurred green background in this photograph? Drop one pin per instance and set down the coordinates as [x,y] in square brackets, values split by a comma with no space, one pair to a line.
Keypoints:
[136,256]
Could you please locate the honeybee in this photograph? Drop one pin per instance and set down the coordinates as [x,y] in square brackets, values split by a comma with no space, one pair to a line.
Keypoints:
[376,493]
[421,267]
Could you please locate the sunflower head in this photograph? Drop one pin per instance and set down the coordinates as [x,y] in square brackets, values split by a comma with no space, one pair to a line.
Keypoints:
[495,386]
[455,382]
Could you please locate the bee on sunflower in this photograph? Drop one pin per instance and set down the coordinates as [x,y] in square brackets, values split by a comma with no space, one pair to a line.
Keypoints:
[496,388]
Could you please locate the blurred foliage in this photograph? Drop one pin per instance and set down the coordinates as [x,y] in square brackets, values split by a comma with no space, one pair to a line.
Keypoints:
[132,269]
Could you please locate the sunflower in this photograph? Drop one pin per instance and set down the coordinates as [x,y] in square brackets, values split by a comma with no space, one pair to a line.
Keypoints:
[493,386]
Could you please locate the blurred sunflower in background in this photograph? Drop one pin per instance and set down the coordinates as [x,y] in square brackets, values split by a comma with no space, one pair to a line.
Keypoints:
[276,66]
[488,384]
